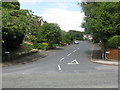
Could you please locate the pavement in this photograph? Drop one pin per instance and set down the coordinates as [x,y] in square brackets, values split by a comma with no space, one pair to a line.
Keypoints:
[96,57]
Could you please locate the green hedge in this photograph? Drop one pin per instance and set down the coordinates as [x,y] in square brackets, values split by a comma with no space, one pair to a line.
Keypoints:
[42,46]
[114,42]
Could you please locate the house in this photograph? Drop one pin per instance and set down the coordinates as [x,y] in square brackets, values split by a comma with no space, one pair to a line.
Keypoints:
[40,20]
[87,36]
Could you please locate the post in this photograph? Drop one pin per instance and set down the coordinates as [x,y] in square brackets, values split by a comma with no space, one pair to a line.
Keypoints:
[118,47]
[106,55]
[118,52]
[8,55]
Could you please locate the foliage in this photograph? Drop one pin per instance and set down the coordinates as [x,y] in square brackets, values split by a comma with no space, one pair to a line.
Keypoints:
[42,46]
[76,35]
[31,38]
[50,33]
[64,40]
[11,5]
[17,25]
[102,19]
[13,28]
[28,45]
[72,35]
[114,42]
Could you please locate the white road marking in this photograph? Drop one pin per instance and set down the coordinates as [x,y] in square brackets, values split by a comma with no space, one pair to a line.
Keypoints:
[74,51]
[78,48]
[74,62]
[59,67]
[62,58]
[69,54]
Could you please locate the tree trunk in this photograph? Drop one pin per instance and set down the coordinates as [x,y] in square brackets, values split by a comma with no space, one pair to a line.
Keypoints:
[103,48]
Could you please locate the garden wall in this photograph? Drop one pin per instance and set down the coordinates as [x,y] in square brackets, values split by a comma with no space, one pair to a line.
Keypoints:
[114,54]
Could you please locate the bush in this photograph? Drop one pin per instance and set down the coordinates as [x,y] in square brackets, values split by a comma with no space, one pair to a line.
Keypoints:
[56,45]
[28,45]
[42,46]
[114,42]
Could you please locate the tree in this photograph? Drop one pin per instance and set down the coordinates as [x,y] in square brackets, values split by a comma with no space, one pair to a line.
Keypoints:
[16,24]
[77,35]
[102,19]
[114,42]
[72,35]
[50,33]
[11,5]
[13,28]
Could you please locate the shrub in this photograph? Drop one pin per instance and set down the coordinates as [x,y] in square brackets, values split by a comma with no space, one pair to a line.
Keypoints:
[27,44]
[114,42]
[56,45]
[42,46]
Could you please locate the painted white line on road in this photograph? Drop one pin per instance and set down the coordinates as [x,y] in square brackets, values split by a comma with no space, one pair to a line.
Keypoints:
[59,67]
[69,54]
[62,58]
[74,51]
[74,62]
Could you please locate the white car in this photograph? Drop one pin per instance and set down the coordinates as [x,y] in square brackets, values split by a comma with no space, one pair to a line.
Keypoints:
[76,42]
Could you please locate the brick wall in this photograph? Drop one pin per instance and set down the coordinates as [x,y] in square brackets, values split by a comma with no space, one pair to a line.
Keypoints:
[114,54]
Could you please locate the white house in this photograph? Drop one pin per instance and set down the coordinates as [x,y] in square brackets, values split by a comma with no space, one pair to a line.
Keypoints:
[88,36]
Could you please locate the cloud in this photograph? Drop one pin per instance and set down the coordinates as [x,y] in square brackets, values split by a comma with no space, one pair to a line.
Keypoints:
[68,20]
[67,14]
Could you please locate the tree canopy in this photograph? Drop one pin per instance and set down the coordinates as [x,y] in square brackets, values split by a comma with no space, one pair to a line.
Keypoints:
[50,33]
[15,25]
[11,5]
[102,19]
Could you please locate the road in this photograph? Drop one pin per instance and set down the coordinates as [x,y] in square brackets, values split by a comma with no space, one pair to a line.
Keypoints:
[65,67]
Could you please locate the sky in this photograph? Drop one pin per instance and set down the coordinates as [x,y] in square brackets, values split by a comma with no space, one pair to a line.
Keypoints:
[66,13]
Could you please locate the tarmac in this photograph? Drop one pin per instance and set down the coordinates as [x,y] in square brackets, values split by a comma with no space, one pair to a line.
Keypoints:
[96,57]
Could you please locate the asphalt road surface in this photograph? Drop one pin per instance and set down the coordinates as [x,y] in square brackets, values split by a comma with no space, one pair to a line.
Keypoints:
[65,67]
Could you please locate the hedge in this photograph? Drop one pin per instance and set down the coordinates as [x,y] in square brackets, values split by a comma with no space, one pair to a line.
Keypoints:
[113,42]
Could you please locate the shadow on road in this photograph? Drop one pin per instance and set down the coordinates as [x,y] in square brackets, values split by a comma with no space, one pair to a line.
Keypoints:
[97,54]
[88,52]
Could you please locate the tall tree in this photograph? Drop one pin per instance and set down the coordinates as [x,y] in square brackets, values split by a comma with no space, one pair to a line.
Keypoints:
[11,5]
[102,19]
[15,25]
[50,33]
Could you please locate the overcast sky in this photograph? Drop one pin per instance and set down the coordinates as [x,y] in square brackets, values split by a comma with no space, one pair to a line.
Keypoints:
[66,13]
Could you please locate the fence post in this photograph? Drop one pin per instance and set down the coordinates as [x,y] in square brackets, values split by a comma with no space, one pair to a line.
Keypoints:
[118,53]
[7,55]
[118,47]
[106,53]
